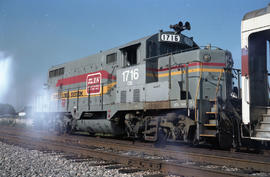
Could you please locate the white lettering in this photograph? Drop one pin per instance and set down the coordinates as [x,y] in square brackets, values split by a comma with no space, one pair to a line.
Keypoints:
[170,37]
[130,75]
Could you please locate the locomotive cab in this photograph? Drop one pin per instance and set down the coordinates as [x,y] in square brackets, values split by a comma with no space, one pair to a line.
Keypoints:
[175,89]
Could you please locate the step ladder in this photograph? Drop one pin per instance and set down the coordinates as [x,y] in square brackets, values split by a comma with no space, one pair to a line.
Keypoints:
[263,129]
[210,127]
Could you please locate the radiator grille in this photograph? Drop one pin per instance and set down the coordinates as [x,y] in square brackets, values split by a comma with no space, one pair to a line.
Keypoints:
[136,95]
[123,97]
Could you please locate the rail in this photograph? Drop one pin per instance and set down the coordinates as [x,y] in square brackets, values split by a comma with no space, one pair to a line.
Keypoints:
[172,156]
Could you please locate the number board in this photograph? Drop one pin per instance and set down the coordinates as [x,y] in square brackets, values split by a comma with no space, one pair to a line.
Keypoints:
[131,76]
[166,37]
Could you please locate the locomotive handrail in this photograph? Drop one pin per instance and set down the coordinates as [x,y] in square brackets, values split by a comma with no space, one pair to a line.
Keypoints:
[78,97]
[73,89]
[81,87]
[171,53]
[187,90]
[217,88]
[197,91]
[238,73]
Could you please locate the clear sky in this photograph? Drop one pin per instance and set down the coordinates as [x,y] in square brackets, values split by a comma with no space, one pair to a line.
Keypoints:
[38,34]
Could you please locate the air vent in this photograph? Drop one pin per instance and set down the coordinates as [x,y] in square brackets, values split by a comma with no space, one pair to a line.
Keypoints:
[123,97]
[136,95]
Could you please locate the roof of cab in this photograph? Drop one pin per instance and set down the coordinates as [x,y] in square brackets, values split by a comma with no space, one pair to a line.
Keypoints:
[106,51]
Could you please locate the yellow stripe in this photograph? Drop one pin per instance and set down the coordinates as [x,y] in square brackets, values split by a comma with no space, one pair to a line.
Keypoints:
[82,92]
[106,88]
[190,71]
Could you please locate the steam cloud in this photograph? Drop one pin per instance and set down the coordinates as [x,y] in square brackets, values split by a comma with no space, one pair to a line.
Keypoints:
[5,74]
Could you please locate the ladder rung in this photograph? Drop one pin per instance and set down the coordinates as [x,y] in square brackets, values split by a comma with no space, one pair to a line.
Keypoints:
[208,135]
[210,125]
[211,113]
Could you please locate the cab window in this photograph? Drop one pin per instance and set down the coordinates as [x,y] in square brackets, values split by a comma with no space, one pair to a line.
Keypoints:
[129,55]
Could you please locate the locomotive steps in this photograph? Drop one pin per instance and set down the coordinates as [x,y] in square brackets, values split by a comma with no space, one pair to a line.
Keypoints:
[263,130]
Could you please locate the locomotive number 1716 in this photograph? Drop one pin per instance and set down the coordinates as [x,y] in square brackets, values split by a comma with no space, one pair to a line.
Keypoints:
[170,38]
[130,75]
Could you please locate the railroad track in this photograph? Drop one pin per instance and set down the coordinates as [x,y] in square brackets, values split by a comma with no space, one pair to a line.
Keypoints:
[141,155]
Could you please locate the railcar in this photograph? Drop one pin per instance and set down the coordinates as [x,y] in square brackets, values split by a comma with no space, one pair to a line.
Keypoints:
[163,86]
[255,36]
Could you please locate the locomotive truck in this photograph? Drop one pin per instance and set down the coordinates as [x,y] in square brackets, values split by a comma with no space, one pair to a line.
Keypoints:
[165,87]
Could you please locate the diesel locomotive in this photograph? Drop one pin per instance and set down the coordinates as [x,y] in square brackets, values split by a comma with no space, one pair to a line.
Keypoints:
[163,87]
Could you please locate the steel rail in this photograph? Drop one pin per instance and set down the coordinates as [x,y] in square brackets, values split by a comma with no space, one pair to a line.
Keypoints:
[243,161]
[159,165]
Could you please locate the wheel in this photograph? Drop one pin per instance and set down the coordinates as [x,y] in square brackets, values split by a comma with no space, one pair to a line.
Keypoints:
[59,129]
[69,129]
[161,138]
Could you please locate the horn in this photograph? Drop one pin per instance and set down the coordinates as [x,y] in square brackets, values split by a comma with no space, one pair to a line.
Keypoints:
[187,26]
[180,24]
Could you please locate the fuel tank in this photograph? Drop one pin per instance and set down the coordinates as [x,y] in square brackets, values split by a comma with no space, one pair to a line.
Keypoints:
[103,126]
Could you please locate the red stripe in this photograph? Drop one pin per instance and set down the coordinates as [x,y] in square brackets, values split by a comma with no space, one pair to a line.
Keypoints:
[207,64]
[190,65]
[82,78]
[106,75]
[244,62]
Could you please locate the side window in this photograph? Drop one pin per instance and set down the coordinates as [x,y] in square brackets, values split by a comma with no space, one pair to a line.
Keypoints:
[56,72]
[61,71]
[151,49]
[111,58]
[51,74]
[129,55]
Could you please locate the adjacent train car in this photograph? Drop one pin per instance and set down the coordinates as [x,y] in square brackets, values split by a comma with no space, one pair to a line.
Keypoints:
[255,36]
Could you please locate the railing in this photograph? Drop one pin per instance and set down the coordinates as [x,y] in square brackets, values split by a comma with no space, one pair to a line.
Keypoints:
[216,93]
[197,92]
[237,72]
[75,93]
[172,53]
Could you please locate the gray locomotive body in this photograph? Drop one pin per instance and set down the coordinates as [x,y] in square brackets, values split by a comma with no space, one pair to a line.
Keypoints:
[160,86]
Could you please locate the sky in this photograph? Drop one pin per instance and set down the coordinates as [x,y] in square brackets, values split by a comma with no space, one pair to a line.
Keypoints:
[39,34]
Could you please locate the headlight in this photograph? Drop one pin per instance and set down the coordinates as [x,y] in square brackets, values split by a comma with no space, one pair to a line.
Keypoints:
[21,114]
[207,58]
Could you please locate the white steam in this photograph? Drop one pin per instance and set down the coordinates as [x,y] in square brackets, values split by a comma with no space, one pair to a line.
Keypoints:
[44,107]
[44,102]
[5,74]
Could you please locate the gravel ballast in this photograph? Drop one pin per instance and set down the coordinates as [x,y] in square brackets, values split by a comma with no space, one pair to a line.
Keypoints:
[17,161]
